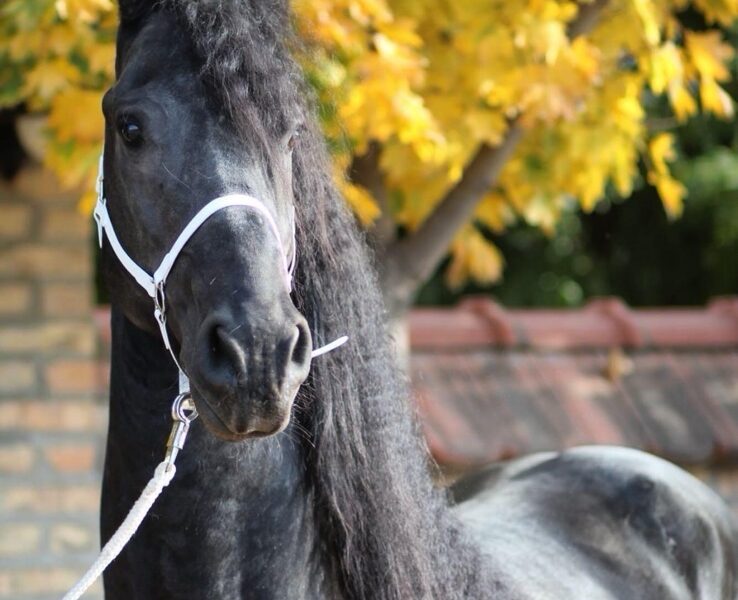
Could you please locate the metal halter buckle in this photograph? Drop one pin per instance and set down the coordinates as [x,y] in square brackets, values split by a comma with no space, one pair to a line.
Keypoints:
[160,302]
[183,413]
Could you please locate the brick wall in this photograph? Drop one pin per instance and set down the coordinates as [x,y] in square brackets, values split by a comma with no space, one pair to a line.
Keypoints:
[52,421]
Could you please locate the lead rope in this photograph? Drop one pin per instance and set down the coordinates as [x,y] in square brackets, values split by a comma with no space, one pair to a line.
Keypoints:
[183,408]
[183,413]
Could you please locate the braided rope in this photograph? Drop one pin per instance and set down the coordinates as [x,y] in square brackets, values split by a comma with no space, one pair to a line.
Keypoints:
[162,476]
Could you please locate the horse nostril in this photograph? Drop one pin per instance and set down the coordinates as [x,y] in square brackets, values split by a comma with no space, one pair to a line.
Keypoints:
[223,356]
[301,344]
[234,357]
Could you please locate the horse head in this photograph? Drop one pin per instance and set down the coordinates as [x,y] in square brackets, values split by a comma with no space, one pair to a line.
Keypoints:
[170,148]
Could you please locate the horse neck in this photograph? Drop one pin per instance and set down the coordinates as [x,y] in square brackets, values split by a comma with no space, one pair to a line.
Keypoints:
[235,521]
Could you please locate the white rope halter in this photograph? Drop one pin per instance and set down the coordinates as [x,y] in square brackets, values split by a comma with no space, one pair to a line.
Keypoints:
[155,284]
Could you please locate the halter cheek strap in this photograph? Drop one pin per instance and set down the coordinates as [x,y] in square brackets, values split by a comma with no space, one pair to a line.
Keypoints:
[155,284]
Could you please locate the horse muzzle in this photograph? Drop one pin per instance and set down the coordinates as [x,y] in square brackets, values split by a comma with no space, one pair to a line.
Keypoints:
[245,372]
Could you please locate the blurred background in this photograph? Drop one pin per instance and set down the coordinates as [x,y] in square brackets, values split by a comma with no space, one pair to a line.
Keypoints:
[550,189]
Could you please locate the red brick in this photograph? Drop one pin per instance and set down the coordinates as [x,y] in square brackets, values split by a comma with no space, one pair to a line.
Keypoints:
[34,415]
[69,376]
[59,223]
[71,458]
[16,376]
[16,221]
[16,458]
[17,539]
[71,537]
[16,299]
[43,499]
[66,299]
[70,336]
[35,260]
[41,186]
[16,583]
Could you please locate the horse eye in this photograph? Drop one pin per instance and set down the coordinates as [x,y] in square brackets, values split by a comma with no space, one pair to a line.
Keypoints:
[130,130]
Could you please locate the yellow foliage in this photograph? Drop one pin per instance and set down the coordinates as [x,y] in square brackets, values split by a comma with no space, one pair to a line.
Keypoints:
[101,59]
[671,191]
[666,67]
[494,212]
[430,81]
[360,200]
[719,11]
[473,257]
[49,78]
[75,116]
[85,11]
[682,102]
[715,99]
[661,151]
[709,54]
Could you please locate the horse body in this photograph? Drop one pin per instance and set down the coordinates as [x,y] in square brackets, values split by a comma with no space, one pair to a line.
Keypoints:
[322,492]
[602,523]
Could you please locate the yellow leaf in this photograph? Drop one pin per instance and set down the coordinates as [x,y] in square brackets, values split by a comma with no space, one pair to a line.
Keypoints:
[49,78]
[666,67]
[86,11]
[76,167]
[486,125]
[592,188]
[543,212]
[661,151]
[473,257]
[402,31]
[720,11]
[671,191]
[61,39]
[361,201]
[647,13]
[715,99]
[87,201]
[101,58]
[682,102]
[709,54]
[586,58]
[494,212]
[76,116]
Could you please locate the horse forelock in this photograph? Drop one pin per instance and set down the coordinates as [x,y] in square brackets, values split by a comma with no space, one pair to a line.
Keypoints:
[245,65]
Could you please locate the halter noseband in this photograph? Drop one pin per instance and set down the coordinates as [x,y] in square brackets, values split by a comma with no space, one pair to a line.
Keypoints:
[155,284]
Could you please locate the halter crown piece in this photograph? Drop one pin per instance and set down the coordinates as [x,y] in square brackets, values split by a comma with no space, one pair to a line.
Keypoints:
[155,284]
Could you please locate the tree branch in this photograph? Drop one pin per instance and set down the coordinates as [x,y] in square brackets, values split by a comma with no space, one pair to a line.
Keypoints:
[364,170]
[587,18]
[409,262]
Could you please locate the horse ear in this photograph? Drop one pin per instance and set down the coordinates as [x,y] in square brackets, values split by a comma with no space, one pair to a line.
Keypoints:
[133,10]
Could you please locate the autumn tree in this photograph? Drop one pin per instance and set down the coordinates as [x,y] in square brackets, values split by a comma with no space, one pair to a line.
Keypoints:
[448,120]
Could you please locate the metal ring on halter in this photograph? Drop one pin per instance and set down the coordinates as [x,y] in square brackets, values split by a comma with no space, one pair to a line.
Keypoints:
[160,300]
[183,413]
[183,409]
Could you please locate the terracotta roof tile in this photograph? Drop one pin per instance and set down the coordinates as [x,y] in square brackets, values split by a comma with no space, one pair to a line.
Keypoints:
[603,323]
[494,383]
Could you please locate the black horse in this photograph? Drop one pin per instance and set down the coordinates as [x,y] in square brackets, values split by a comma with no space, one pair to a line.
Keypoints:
[302,480]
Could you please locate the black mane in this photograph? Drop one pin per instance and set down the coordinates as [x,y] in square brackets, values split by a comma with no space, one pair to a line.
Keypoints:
[377,508]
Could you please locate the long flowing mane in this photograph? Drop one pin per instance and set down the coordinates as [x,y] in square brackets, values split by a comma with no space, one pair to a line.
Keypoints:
[380,516]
